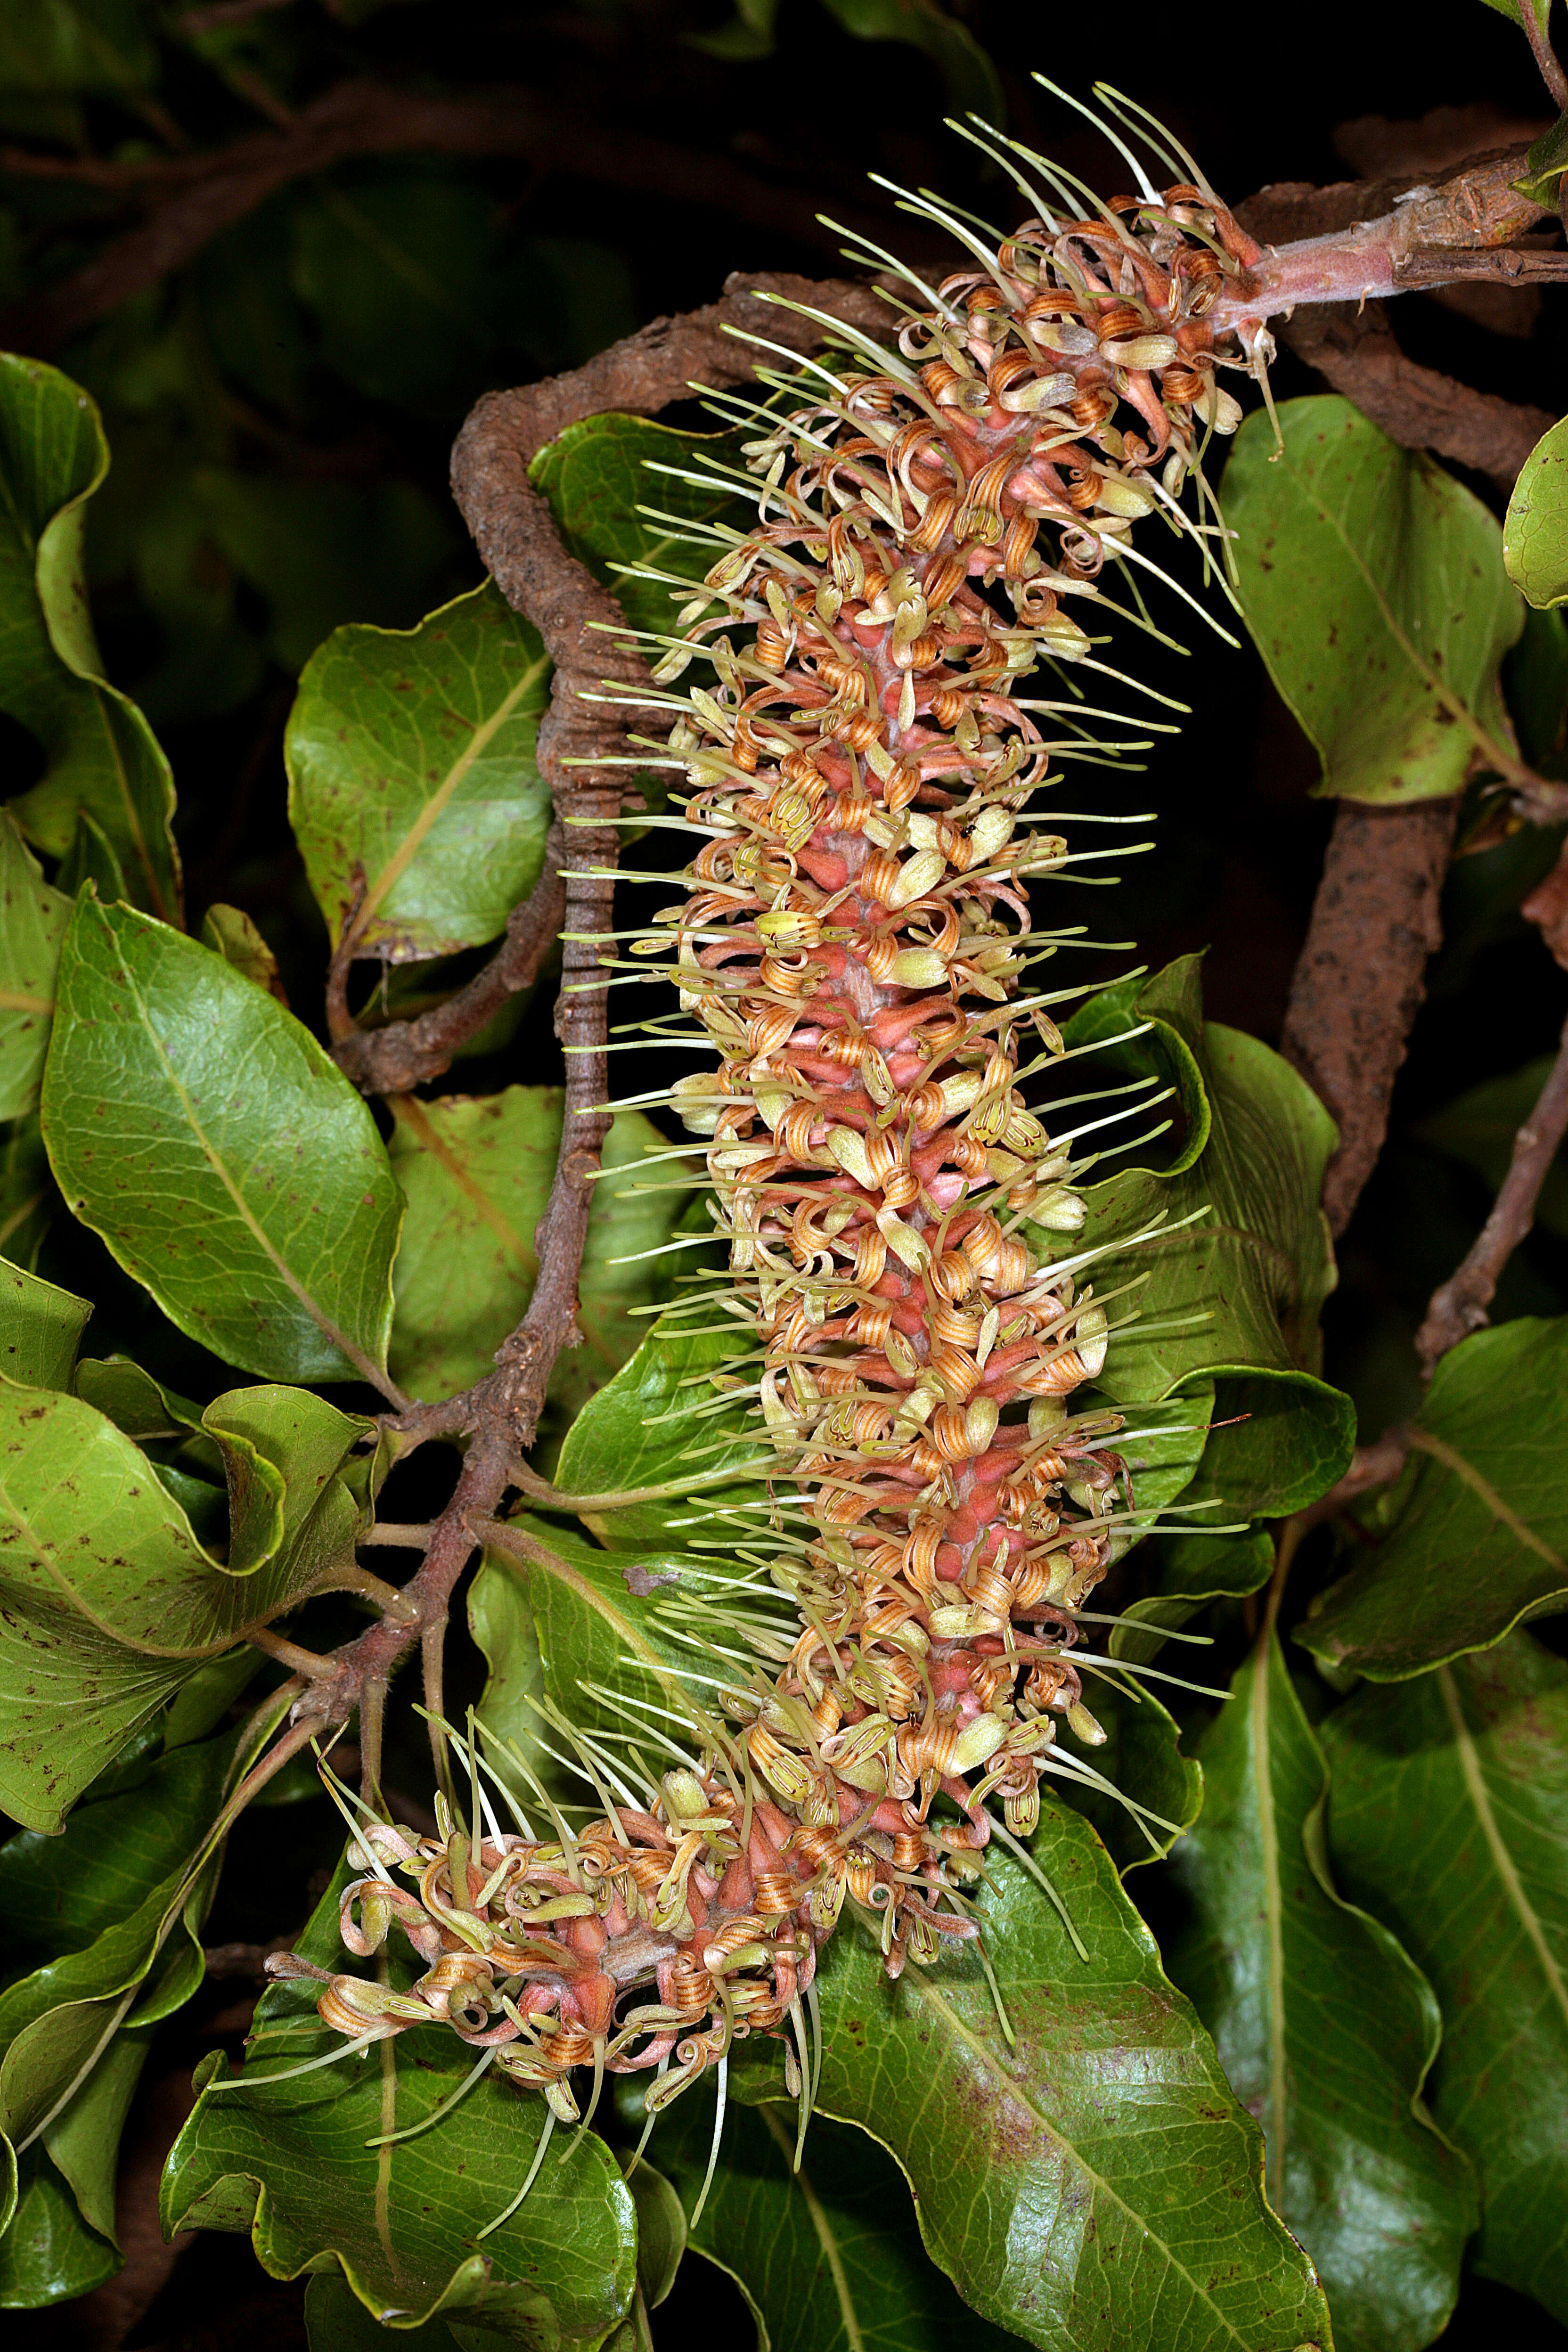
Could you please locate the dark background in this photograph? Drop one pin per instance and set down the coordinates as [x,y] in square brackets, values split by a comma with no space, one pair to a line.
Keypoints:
[280,409]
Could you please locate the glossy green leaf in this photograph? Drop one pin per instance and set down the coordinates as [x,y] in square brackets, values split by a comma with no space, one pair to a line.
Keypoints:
[597,475]
[337,2321]
[49,2255]
[109,1602]
[410,756]
[1535,528]
[1449,1820]
[33,919]
[102,755]
[1325,2027]
[1142,1760]
[40,1329]
[661,2232]
[290,2163]
[1373,585]
[230,933]
[222,1156]
[477,1176]
[1093,2183]
[91,857]
[1192,1570]
[829,2257]
[1233,1295]
[643,1431]
[1473,1539]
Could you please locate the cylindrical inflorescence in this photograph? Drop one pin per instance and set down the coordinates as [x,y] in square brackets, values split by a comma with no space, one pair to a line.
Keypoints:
[854,940]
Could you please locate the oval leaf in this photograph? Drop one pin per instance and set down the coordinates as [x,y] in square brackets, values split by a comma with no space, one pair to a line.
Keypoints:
[224,1160]
[33,919]
[410,756]
[1373,585]
[1535,528]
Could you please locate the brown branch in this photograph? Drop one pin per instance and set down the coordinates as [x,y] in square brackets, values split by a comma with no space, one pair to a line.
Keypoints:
[195,197]
[1459,1305]
[1359,980]
[1355,351]
[403,1054]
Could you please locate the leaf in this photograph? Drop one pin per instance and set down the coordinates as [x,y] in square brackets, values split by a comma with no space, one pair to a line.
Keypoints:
[1472,1541]
[40,1329]
[337,2321]
[1192,1571]
[410,755]
[1233,1295]
[230,933]
[102,757]
[1142,1760]
[476,1174]
[290,2163]
[1373,585]
[643,1430]
[108,1603]
[1325,2029]
[661,2232]
[34,917]
[1094,2184]
[224,1160]
[829,2258]
[1541,179]
[1535,528]
[597,476]
[1449,1820]
[88,1918]
[970,81]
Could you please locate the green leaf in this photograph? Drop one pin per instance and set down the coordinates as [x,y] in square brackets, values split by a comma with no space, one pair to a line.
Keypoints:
[1234,1296]
[1535,528]
[108,1603]
[337,2321]
[49,2254]
[1325,2027]
[290,2163]
[1142,1760]
[102,757]
[224,1160]
[1471,1541]
[40,1329]
[30,935]
[830,2257]
[91,857]
[598,474]
[643,1430]
[1541,179]
[1449,1820]
[661,2232]
[1479,1127]
[410,756]
[1094,2183]
[89,1919]
[230,933]
[1373,585]
[1192,1571]
[477,1176]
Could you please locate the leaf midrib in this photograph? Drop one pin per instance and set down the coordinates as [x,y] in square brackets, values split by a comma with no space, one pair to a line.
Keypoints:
[1502,1860]
[351,1352]
[1016,2090]
[390,873]
[831,2254]
[1423,1441]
